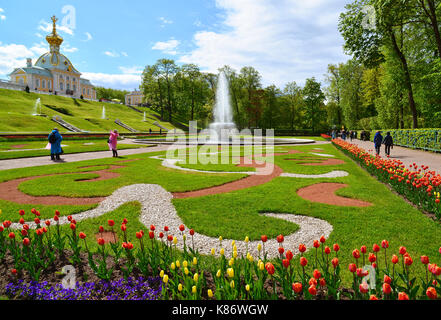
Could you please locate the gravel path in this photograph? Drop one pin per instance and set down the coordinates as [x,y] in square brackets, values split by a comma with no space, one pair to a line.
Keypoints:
[157,209]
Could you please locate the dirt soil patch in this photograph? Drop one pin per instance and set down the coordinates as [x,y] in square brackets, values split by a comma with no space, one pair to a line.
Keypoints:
[325,193]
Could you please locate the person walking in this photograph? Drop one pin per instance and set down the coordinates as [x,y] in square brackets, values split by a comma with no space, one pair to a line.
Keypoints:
[55,139]
[113,142]
[378,140]
[388,143]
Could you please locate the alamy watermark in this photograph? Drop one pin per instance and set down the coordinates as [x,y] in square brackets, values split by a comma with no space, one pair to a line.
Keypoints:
[369,21]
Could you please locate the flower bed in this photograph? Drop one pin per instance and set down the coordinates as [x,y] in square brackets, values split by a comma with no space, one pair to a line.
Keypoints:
[28,255]
[418,184]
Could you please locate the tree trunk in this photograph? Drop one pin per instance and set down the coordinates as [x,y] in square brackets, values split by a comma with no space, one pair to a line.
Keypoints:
[407,79]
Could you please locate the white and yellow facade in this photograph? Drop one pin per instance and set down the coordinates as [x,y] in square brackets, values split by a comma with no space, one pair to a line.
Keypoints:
[134,98]
[54,73]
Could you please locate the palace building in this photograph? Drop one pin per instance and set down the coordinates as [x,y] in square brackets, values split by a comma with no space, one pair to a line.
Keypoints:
[134,98]
[53,73]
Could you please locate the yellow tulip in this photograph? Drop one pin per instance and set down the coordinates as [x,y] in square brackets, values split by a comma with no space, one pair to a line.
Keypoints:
[185,263]
[165,278]
[210,293]
[247,287]
[213,251]
[233,243]
[161,274]
[231,262]
[232,284]
[172,266]
[247,239]
[261,266]
[184,237]
[175,240]
[218,273]
[196,277]
[235,254]
[230,272]
[222,251]
[178,263]
[179,287]
[220,238]
[193,289]
[259,247]
[186,271]
[195,261]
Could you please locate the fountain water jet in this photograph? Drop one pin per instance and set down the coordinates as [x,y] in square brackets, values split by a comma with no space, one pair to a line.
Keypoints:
[223,126]
[103,115]
[37,108]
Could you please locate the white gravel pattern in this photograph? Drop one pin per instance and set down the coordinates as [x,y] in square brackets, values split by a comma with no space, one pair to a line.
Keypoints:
[157,209]
[332,174]
[323,155]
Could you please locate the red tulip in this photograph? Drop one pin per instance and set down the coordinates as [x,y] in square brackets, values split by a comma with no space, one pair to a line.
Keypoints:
[191,232]
[312,290]
[166,229]
[14,272]
[316,244]
[269,268]
[322,239]
[161,235]
[316,274]
[356,254]
[302,248]
[286,263]
[82,235]
[373,297]
[101,241]
[363,249]
[387,279]
[425,260]
[289,255]
[57,213]
[21,212]
[26,242]
[280,238]
[56,218]
[431,293]
[303,261]
[152,228]
[12,235]
[394,259]
[111,223]
[47,222]
[101,228]
[352,267]
[37,221]
[372,258]
[69,218]
[403,296]
[73,226]
[364,287]
[408,261]
[336,247]
[297,287]
[327,250]
[125,221]
[139,235]
[376,247]
[24,232]
[281,250]
[123,228]
[334,262]
[170,238]
[403,250]
[385,244]
[151,235]
[21,221]
[181,228]
[264,238]
[387,288]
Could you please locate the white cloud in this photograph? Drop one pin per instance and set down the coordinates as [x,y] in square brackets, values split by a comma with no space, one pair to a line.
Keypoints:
[164,21]
[115,81]
[132,70]
[168,47]
[67,48]
[89,36]
[47,27]
[2,16]
[111,54]
[14,56]
[287,40]
[124,54]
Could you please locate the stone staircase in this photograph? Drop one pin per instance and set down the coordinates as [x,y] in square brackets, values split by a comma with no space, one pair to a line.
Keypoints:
[65,124]
[118,122]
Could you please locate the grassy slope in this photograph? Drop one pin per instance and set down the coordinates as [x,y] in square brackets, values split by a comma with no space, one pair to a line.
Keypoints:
[17,107]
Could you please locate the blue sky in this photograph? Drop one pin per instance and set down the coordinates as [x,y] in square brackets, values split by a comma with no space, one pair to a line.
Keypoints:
[110,42]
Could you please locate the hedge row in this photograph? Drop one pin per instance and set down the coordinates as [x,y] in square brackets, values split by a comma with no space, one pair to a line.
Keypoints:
[425,139]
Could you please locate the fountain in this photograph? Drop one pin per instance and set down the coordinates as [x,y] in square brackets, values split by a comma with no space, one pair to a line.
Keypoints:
[37,108]
[144,117]
[103,115]
[223,126]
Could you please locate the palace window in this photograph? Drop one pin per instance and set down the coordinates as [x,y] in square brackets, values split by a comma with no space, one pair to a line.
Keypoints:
[74,88]
[43,84]
[37,83]
[61,86]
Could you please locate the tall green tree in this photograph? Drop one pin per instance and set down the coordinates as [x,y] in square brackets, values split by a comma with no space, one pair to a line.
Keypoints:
[313,97]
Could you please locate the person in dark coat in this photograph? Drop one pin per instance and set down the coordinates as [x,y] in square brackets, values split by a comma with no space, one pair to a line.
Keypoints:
[378,140]
[388,143]
[55,139]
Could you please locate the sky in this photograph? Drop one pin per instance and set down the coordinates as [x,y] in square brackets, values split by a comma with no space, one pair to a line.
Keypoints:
[110,42]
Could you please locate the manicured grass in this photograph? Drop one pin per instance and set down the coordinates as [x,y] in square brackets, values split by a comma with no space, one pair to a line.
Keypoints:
[36,148]
[237,214]
[17,107]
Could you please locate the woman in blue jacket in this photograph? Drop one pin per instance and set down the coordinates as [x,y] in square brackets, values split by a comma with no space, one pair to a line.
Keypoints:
[55,139]
[378,140]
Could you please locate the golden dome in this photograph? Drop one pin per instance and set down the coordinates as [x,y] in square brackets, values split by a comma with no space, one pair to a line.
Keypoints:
[54,39]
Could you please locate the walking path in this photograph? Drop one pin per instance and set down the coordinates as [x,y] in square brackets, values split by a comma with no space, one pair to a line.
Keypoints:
[406,155]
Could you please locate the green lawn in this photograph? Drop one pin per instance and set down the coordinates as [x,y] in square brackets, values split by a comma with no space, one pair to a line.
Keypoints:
[237,214]
[26,149]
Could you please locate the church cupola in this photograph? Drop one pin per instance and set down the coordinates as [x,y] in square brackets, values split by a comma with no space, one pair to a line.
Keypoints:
[54,39]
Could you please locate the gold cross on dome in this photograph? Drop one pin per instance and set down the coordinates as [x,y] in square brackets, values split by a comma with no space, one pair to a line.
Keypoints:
[54,19]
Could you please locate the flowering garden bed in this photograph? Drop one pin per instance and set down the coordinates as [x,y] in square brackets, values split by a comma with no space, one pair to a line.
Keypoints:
[418,184]
[118,270]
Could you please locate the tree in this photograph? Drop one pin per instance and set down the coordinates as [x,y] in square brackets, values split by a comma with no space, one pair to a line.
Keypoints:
[314,98]
[167,69]
[294,101]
